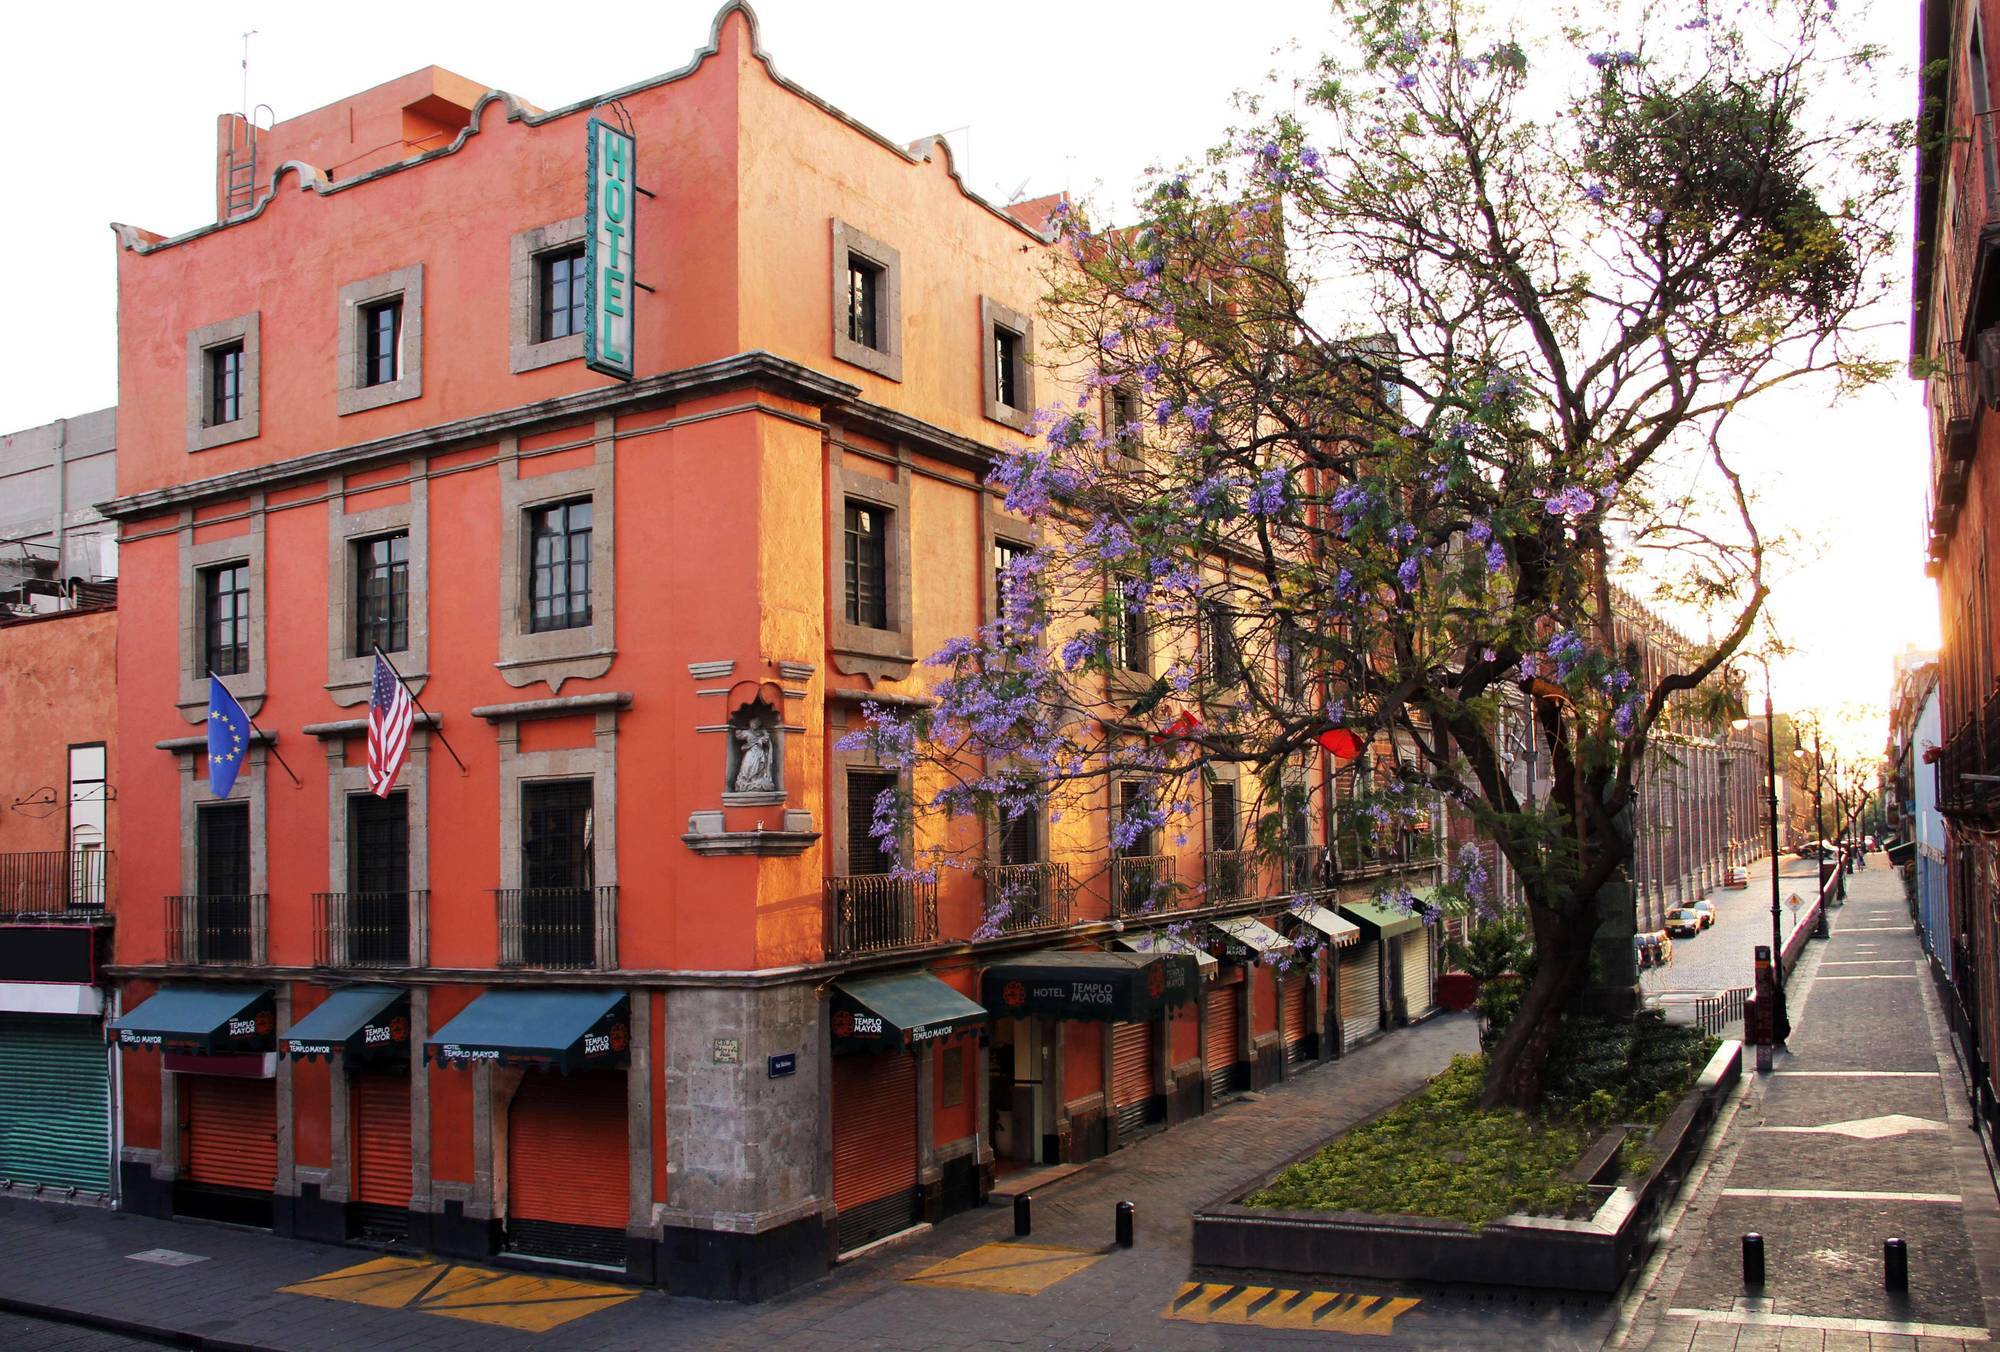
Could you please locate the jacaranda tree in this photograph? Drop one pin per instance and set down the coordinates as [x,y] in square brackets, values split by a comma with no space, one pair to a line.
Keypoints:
[1383,402]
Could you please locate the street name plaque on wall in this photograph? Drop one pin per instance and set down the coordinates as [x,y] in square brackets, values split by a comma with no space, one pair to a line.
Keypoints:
[726,1051]
[609,158]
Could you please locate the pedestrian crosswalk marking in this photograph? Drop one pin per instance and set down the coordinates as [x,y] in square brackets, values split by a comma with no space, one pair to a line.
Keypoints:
[1282,1307]
[516,1300]
[1017,1269]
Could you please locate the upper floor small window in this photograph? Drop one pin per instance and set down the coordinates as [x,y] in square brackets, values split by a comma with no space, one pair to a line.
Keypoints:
[1006,555]
[559,281]
[1121,412]
[1225,667]
[864,302]
[1128,630]
[381,341]
[1007,382]
[867,546]
[225,383]
[559,586]
[225,594]
[382,594]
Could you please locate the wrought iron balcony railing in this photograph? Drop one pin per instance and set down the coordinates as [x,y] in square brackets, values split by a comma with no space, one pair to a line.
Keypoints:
[218,930]
[1141,884]
[558,928]
[1233,875]
[878,913]
[55,884]
[371,929]
[1028,896]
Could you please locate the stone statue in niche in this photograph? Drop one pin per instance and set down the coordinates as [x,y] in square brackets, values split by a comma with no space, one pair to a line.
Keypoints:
[755,769]
[756,761]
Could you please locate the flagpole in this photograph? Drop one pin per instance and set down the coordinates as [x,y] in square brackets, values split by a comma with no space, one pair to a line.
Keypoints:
[270,742]
[437,724]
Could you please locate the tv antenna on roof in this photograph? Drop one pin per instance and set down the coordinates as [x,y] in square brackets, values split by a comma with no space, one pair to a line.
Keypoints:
[245,105]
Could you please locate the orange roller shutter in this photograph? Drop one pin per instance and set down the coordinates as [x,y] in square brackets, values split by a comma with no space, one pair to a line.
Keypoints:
[567,1148]
[232,1138]
[382,1139]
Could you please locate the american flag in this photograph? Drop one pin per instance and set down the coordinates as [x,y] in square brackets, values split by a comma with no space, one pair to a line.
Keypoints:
[390,714]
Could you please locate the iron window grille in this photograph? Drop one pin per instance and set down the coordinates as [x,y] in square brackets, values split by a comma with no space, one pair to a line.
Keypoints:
[1128,630]
[225,383]
[867,544]
[1006,367]
[560,283]
[556,909]
[382,594]
[223,918]
[864,849]
[559,586]
[226,618]
[381,341]
[864,302]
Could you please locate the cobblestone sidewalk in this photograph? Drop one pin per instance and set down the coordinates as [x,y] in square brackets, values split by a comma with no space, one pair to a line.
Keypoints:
[1858,1136]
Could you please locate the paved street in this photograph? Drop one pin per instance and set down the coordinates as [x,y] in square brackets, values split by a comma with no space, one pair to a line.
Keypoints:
[1859,1136]
[1722,956]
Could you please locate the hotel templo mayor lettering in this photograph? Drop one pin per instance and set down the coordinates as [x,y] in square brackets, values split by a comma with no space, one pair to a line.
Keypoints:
[535,598]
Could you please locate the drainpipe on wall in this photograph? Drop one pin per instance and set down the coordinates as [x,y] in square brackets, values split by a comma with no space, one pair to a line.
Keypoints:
[62,494]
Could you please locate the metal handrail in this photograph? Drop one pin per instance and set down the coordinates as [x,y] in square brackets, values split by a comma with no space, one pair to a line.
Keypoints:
[558,928]
[878,913]
[1028,896]
[218,929]
[370,929]
[1141,883]
[1233,874]
[56,883]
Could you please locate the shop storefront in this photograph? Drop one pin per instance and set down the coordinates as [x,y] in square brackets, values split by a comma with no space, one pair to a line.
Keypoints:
[218,1043]
[1319,998]
[365,1032]
[1399,942]
[558,1059]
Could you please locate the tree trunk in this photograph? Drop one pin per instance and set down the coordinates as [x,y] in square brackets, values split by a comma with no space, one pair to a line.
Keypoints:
[1515,1066]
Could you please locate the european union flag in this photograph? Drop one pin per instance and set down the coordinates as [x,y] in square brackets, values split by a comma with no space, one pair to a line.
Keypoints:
[228,737]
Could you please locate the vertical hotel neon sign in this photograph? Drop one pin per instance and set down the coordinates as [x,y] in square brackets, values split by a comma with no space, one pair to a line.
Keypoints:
[607,233]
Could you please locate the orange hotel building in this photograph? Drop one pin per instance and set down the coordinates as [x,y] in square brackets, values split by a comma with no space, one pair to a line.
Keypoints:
[629,986]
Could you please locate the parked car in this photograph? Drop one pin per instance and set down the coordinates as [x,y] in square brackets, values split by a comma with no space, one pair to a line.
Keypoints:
[1707,910]
[1684,922]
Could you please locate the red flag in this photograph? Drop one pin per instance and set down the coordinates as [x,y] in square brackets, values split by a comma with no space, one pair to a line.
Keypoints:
[1343,744]
[1187,725]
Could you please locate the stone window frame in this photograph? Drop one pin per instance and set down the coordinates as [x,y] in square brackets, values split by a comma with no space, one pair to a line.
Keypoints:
[344,781]
[249,788]
[557,655]
[202,433]
[598,763]
[350,395]
[887,360]
[249,686]
[348,677]
[997,524]
[1121,679]
[994,316]
[525,351]
[884,654]
[840,718]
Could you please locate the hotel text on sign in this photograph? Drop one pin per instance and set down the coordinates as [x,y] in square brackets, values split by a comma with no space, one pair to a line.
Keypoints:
[607,225]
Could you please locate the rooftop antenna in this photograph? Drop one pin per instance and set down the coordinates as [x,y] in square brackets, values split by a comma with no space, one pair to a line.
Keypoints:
[245,105]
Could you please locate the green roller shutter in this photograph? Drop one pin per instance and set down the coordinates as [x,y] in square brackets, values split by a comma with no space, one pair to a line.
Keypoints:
[55,1102]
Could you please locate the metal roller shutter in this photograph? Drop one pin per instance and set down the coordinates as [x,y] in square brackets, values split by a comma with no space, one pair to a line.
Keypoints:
[1360,991]
[1220,1044]
[1416,958]
[1132,1047]
[1293,1016]
[874,1146]
[232,1132]
[55,1103]
[382,1177]
[568,1187]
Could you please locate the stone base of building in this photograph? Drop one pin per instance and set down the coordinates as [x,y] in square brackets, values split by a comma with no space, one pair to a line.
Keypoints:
[734,1266]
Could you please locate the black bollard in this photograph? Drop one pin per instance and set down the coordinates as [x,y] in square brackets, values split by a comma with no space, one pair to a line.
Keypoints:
[1124,1225]
[1753,1259]
[1022,1222]
[1895,1265]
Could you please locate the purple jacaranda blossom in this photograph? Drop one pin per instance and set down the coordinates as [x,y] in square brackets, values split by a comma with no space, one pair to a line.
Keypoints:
[1406,572]
[1309,157]
[1267,498]
[1566,651]
[1081,649]
[1596,192]
[1496,557]
[1407,82]
[1479,532]
[1152,266]
[1655,216]
[1198,416]
[1624,718]
[1110,341]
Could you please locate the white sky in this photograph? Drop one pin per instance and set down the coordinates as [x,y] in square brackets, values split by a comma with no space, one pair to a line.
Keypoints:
[1082,99]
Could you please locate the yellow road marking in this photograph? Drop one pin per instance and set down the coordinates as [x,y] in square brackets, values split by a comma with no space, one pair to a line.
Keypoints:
[1018,1269]
[516,1300]
[1281,1307]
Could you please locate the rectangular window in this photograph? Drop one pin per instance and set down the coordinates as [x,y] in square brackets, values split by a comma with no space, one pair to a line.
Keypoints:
[556,847]
[559,588]
[1021,838]
[1224,666]
[867,542]
[382,594]
[381,341]
[1122,409]
[1291,662]
[864,852]
[864,302]
[1128,630]
[378,843]
[1006,367]
[1005,555]
[225,383]
[222,847]
[559,283]
[1131,803]
[225,596]
[1222,816]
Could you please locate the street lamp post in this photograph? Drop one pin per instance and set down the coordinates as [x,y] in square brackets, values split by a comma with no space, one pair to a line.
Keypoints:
[1781,1025]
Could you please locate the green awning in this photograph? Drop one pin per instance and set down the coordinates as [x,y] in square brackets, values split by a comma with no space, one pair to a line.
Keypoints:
[551,1030]
[204,1020]
[1380,919]
[1159,941]
[877,1013]
[359,1022]
[1080,983]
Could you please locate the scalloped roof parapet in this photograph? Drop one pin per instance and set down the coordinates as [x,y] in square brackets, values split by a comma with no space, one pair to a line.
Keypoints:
[921,151]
